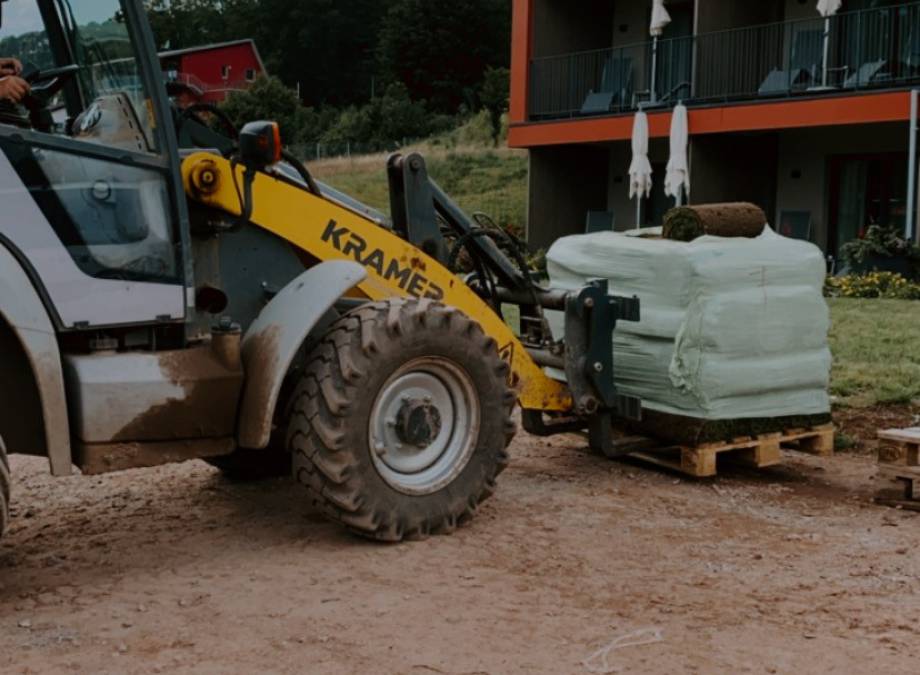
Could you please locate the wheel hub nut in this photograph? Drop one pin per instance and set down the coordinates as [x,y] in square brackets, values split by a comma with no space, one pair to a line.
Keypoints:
[418,422]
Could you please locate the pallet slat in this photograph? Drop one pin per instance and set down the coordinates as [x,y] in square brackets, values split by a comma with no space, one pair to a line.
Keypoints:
[899,451]
[899,468]
[899,471]
[909,435]
[761,451]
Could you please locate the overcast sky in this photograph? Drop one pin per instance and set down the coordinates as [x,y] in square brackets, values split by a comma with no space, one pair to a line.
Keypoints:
[22,16]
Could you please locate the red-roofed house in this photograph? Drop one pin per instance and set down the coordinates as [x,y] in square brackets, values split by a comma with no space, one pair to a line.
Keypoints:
[213,71]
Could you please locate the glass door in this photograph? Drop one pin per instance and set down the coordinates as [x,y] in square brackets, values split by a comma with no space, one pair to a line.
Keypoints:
[866,190]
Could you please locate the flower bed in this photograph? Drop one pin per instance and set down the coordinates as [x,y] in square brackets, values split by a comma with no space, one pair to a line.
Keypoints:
[872,285]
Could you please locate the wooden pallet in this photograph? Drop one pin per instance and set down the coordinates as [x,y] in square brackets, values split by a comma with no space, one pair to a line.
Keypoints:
[899,468]
[760,451]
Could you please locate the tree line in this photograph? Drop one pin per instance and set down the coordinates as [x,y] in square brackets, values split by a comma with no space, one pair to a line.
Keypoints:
[356,70]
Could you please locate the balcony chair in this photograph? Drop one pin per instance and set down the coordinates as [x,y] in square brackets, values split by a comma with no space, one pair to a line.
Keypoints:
[616,83]
[599,221]
[782,82]
[805,65]
[867,73]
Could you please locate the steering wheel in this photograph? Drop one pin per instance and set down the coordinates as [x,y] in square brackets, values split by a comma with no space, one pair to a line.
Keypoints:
[45,83]
[191,112]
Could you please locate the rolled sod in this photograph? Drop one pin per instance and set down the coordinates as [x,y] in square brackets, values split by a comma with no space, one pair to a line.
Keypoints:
[734,219]
[690,431]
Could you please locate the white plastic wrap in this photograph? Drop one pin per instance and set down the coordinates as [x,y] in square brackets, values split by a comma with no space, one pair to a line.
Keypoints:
[731,328]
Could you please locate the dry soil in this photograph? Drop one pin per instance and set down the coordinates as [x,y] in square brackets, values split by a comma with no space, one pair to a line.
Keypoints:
[175,570]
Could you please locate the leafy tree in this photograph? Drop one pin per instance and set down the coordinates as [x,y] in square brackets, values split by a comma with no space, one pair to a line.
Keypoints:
[440,49]
[269,99]
[326,47]
[399,115]
[385,119]
[186,23]
[343,55]
[493,95]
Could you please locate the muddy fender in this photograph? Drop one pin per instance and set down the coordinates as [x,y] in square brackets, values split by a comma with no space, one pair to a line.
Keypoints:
[22,311]
[273,340]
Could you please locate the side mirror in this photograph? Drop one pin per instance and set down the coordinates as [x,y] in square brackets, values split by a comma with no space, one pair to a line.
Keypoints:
[260,144]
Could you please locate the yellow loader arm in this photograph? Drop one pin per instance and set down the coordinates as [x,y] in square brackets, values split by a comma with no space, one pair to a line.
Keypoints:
[327,231]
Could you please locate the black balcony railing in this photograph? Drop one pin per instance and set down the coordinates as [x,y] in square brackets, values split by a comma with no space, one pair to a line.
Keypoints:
[874,48]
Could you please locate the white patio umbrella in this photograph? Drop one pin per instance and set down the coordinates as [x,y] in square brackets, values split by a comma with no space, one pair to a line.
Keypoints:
[640,169]
[827,9]
[677,176]
[660,20]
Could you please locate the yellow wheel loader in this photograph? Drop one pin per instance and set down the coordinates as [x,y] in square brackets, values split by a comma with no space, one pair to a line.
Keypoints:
[170,292]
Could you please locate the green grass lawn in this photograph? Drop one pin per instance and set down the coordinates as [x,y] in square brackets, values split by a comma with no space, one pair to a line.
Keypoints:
[876,347]
[491,181]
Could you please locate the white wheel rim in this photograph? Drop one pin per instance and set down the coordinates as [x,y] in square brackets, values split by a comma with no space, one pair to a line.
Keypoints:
[428,467]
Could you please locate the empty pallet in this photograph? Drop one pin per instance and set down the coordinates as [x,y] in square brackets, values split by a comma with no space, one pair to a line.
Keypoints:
[899,468]
[758,451]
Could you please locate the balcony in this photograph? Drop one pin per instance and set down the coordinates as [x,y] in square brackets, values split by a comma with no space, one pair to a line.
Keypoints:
[853,51]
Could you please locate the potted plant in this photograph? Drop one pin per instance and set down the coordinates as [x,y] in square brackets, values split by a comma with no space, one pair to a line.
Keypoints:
[883,248]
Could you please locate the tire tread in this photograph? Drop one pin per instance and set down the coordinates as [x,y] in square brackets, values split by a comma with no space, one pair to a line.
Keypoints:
[318,426]
[5,486]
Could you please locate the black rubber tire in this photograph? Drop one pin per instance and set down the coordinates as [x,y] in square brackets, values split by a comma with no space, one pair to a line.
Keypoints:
[4,489]
[329,418]
[244,464]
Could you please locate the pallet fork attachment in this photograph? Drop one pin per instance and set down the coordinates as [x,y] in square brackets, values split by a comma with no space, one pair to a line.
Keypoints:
[591,315]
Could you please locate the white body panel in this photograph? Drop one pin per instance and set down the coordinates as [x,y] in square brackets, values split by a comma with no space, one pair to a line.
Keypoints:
[77,297]
[160,396]
[22,308]
[272,341]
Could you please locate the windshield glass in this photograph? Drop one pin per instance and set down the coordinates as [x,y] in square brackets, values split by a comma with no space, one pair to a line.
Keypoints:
[94,35]
[102,45]
[104,49]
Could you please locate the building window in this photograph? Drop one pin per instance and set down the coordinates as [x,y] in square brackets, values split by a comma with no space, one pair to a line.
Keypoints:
[225,72]
[250,74]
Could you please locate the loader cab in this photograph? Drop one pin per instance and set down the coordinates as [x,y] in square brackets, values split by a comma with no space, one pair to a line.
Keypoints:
[93,202]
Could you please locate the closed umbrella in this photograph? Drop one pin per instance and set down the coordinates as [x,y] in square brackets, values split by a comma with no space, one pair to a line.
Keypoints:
[827,9]
[677,176]
[660,20]
[640,169]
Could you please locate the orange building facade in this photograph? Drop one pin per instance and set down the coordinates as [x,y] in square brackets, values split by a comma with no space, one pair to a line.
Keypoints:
[807,117]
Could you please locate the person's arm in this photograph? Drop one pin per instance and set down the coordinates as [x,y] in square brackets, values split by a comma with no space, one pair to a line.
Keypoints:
[12,87]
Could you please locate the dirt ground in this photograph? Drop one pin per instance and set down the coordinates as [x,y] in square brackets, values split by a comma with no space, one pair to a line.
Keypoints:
[175,570]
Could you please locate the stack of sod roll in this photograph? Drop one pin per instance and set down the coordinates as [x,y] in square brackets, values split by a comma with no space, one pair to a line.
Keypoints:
[733,335]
